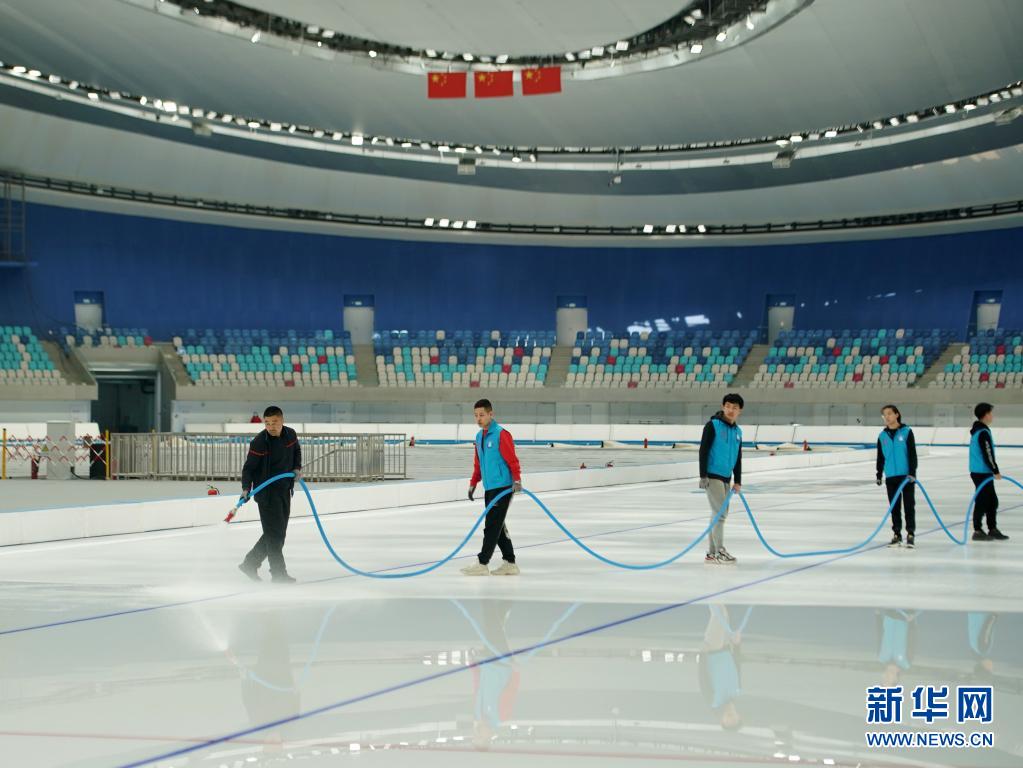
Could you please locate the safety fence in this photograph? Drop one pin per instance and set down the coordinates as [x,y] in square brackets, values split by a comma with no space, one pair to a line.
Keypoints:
[44,457]
[325,458]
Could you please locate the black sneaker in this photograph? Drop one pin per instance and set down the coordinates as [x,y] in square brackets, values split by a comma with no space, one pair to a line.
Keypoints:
[979,535]
[283,578]
[909,542]
[250,571]
[997,535]
[896,541]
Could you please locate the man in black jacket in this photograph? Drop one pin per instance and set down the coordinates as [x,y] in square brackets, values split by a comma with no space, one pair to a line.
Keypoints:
[273,451]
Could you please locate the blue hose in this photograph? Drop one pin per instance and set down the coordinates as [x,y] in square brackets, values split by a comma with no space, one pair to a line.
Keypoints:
[631,566]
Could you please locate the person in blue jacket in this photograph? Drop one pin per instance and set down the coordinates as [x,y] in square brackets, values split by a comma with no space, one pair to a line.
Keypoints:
[984,468]
[720,461]
[896,461]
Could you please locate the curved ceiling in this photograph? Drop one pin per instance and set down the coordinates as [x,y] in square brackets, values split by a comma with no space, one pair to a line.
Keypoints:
[514,27]
[835,63]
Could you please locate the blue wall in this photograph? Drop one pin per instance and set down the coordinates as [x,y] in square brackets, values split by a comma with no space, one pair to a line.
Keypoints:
[168,275]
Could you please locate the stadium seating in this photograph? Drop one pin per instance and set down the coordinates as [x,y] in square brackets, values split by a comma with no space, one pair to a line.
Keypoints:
[886,357]
[991,359]
[463,358]
[668,359]
[268,358]
[105,337]
[23,359]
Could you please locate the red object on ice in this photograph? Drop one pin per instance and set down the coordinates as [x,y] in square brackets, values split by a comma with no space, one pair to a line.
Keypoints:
[212,490]
[230,515]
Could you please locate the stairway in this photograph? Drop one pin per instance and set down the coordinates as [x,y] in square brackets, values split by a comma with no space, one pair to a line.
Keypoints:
[366,365]
[557,371]
[748,370]
[938,365]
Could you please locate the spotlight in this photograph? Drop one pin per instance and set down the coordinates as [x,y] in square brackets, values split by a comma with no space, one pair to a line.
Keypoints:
[749,23]
[357,139]
[830,133]
[275,127]
[796,138]
[143,101]
[253,123]
[444,223]
[696,48]
[502,59]
[622,45]
[878,125]
[318,134]
[648,229]
[337,136]
[255,36]
[597,50]
[470,224]
[458,225]
[682,228]
[689,19]
[431,53]
[93,96]
[893,121]
[532,157]
[950,108]
[670,229]
[701,229]
[328,34]
[516,158]
[722,36]
[569,56]
[428,222]
[467,57]
[912,118]
[406,144]
[372,54]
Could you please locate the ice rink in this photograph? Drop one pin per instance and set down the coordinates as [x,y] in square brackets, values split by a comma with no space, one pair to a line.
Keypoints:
[153,649]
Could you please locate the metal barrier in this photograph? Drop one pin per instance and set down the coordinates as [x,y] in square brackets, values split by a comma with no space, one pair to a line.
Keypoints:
[188,456]
[28,456]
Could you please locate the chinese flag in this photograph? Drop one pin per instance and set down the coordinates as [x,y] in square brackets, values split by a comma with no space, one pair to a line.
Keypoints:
[542,80]
[491,84]
[445,85]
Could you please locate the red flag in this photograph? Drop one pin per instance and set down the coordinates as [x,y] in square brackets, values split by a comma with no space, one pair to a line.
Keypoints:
[445,85]
[542,80]
[492,84]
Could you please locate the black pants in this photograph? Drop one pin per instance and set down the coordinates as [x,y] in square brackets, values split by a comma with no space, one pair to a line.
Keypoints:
[986,505]
[906,501]
[274,512]
[495,533]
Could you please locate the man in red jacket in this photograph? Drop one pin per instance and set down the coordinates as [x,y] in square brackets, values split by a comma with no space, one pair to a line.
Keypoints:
[497,465]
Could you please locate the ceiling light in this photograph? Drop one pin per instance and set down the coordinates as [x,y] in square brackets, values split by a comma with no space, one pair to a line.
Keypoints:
[375,140]
[461,150]
[312,30]
[424,145]
[328,33]
[569,56]
[689,19]
[470,224]
[696,48]
[782,142]
[516,158]
[701,229]
[53,79]
[443,148]
[444,222]
[428,222]
[502,59]
[467,57]
[143,100]
[749,23]
[584,54]
[73,84]
[597,50]
[431,53]
[372,54]
[253,124]
[34,73]
[170,106]
[458,225]
[913,118]
[682,228]
[670,229]
[969,107]
[830,133]
[532,157]
[275,126]
[317,134]
[722,36]
[389,141]
[19,70]
[622,45]
[357,139]
[795,138]
[950,108]
[497,152]
[648,229]
[337,136]
[878,125]
[255,36]
[406,144]
[478,149]
[93,96]
[697,13]
[893,121]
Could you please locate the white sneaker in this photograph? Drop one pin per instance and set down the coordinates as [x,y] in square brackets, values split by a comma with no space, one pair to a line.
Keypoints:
[476,569]
[506,569]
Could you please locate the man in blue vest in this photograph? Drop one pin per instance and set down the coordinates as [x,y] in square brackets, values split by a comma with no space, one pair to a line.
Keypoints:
[497,465]
[984,468]
[720,460]
[896,460]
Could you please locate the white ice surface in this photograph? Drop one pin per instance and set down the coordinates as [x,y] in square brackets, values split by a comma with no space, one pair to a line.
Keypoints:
[130,649]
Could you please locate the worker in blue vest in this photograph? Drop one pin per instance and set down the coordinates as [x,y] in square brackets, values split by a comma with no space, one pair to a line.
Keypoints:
[496,464]
[720,461]
[984,469]
[896,461]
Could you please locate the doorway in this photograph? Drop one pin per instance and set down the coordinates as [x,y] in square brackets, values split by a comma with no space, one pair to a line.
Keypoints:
[127,403]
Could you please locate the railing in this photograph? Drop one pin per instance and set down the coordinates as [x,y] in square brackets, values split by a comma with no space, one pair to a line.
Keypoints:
[325,458]
[22,455]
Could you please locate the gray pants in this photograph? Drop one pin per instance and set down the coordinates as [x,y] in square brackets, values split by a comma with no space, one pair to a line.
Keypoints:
[717,490]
